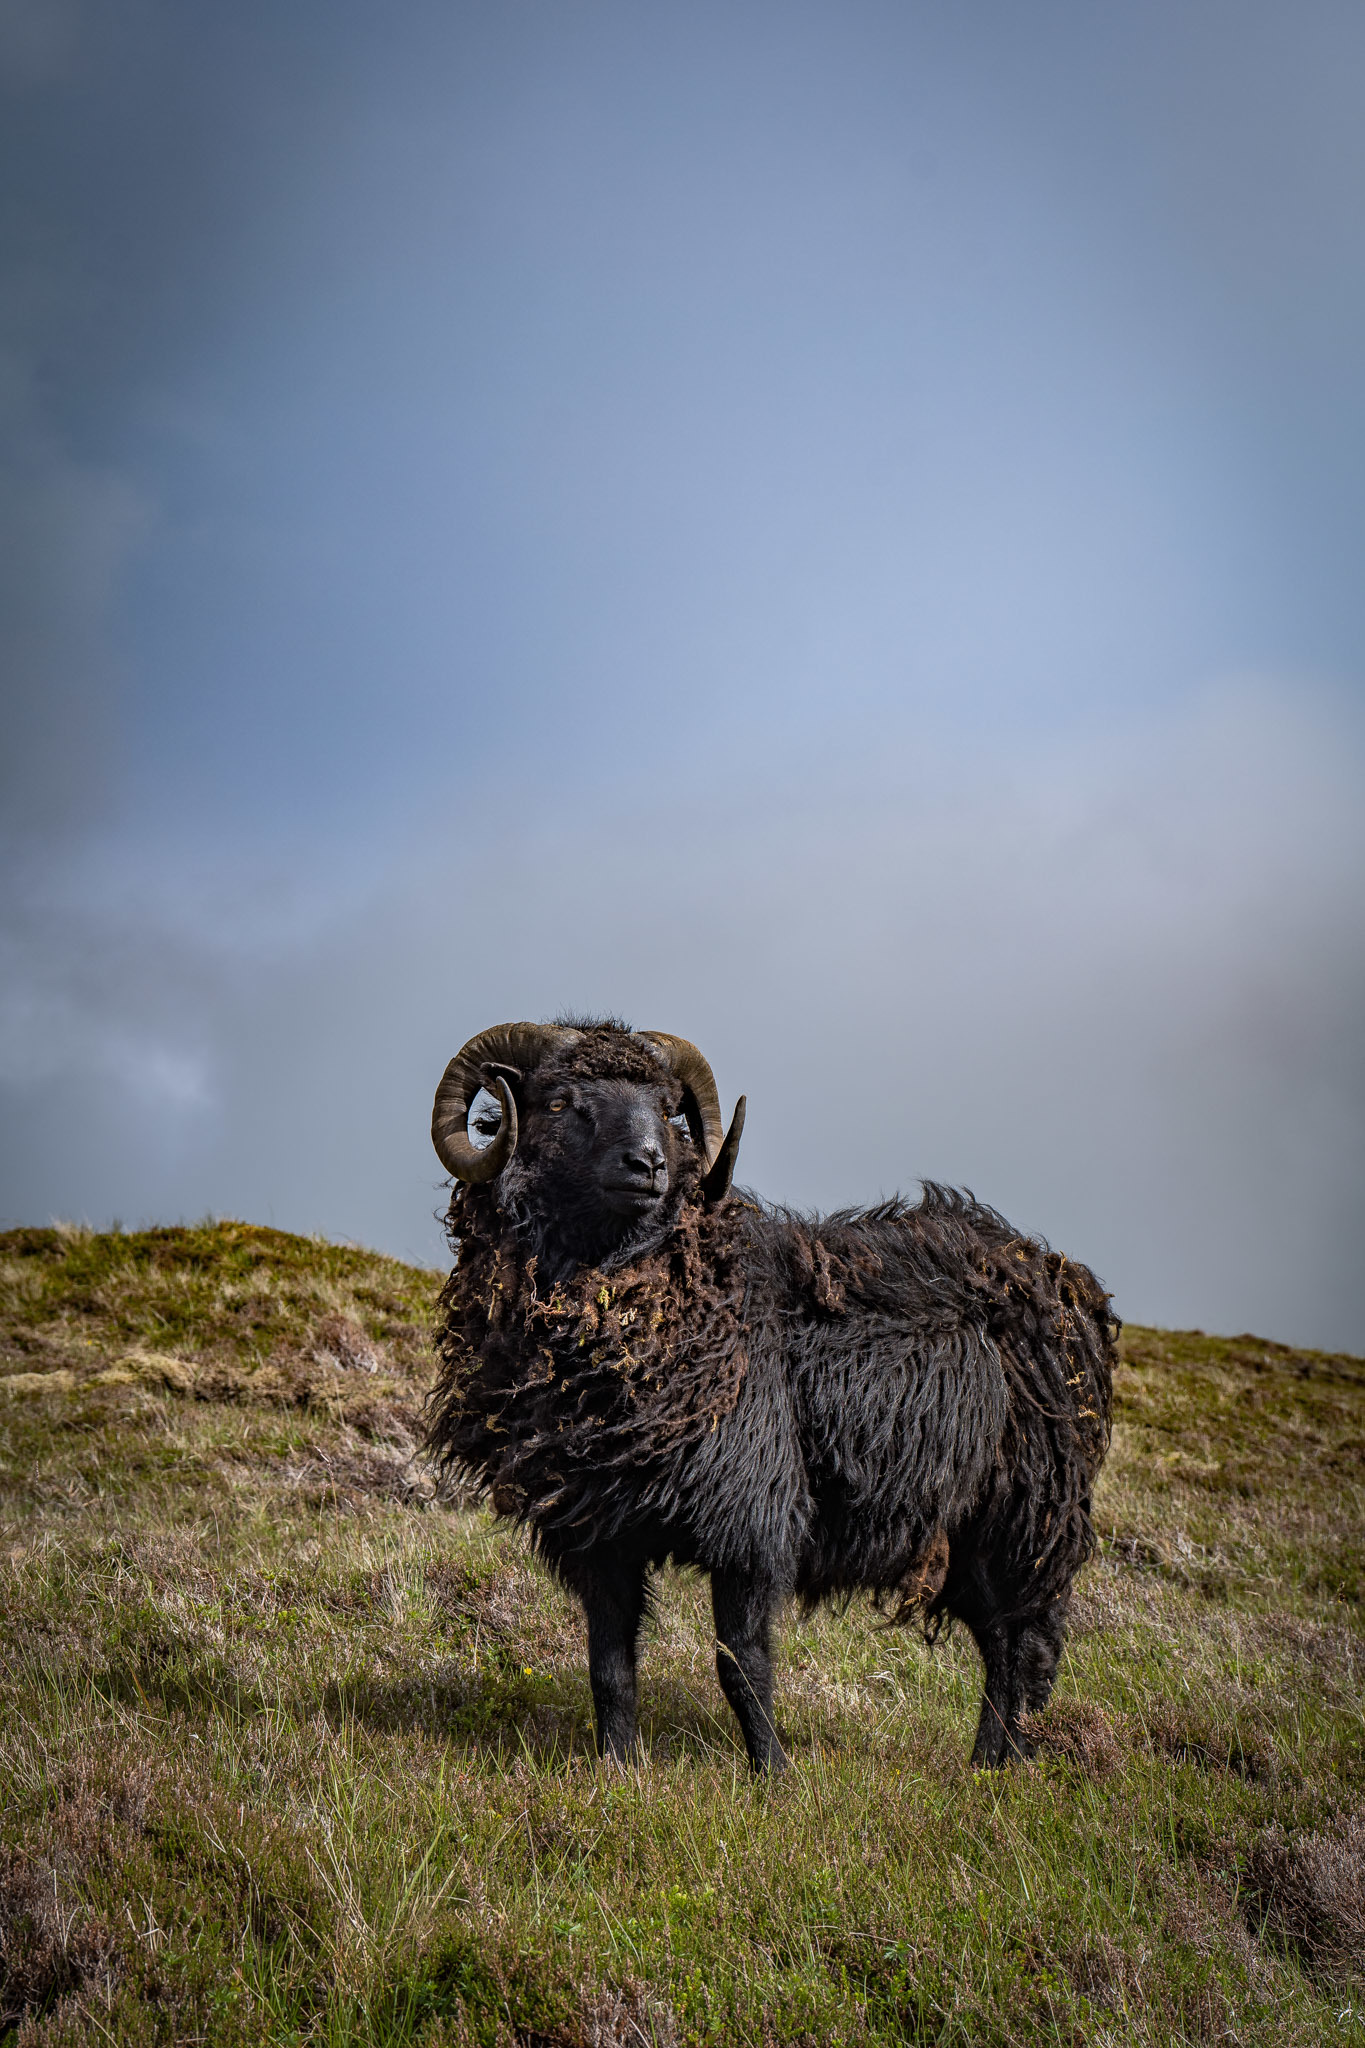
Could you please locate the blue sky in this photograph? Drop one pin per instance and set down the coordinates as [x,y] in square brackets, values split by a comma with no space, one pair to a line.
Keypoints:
[836,531]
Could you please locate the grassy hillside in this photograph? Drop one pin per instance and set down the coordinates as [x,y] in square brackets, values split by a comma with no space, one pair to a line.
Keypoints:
[292,1749]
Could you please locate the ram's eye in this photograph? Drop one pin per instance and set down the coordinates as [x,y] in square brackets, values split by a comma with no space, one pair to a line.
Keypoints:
[555,1108]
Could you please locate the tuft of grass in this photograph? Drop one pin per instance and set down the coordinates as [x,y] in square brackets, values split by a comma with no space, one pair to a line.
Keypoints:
[296,1749]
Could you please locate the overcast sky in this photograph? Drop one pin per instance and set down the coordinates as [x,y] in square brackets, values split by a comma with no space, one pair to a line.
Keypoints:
[838,531]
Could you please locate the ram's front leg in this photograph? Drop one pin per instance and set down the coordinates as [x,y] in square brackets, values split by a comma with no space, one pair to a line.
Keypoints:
[743,1609]
[612,1589]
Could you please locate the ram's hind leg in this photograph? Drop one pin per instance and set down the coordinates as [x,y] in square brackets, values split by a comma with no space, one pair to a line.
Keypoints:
[1021,1663]
[612,1588]
[744,1665]
[993,1743]
[1039,1651]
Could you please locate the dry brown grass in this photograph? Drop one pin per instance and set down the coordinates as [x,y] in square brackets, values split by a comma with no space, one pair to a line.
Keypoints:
[294,1750]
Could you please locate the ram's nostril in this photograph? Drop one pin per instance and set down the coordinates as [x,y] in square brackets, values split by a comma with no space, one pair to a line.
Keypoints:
[645,1160]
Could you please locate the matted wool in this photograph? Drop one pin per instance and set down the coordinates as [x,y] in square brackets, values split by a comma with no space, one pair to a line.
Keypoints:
[565,1405]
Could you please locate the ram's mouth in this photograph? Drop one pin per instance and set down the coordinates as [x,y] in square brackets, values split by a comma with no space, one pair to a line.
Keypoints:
[633,1194]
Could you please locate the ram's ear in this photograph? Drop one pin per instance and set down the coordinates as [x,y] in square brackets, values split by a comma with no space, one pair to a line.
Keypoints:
[494,1070]
[716,1184]
[495,1075]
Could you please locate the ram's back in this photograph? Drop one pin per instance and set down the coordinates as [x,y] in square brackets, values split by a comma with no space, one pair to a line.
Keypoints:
[910,1335]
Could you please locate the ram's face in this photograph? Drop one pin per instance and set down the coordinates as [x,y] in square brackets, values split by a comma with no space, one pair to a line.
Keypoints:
[595,1135]
[606,1153]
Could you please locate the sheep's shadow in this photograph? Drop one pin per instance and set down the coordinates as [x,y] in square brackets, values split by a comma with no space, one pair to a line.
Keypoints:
[506,1716]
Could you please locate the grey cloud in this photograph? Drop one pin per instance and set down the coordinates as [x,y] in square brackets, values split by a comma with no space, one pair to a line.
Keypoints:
[37,40]
[1117,988]
[67,532]
[721,515]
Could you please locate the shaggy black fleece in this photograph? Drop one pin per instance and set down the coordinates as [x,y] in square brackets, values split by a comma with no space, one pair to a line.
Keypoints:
[573,1407]
[911,1400]
[917,1373]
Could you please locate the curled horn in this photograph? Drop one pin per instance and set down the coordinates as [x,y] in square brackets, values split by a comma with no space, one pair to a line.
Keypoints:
[520,1046]
[701,1106]
[701,1103]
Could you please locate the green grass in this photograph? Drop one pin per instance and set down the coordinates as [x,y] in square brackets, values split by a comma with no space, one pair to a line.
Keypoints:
[294,1749]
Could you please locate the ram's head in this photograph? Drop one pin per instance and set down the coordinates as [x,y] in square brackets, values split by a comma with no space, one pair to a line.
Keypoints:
[598,1127]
